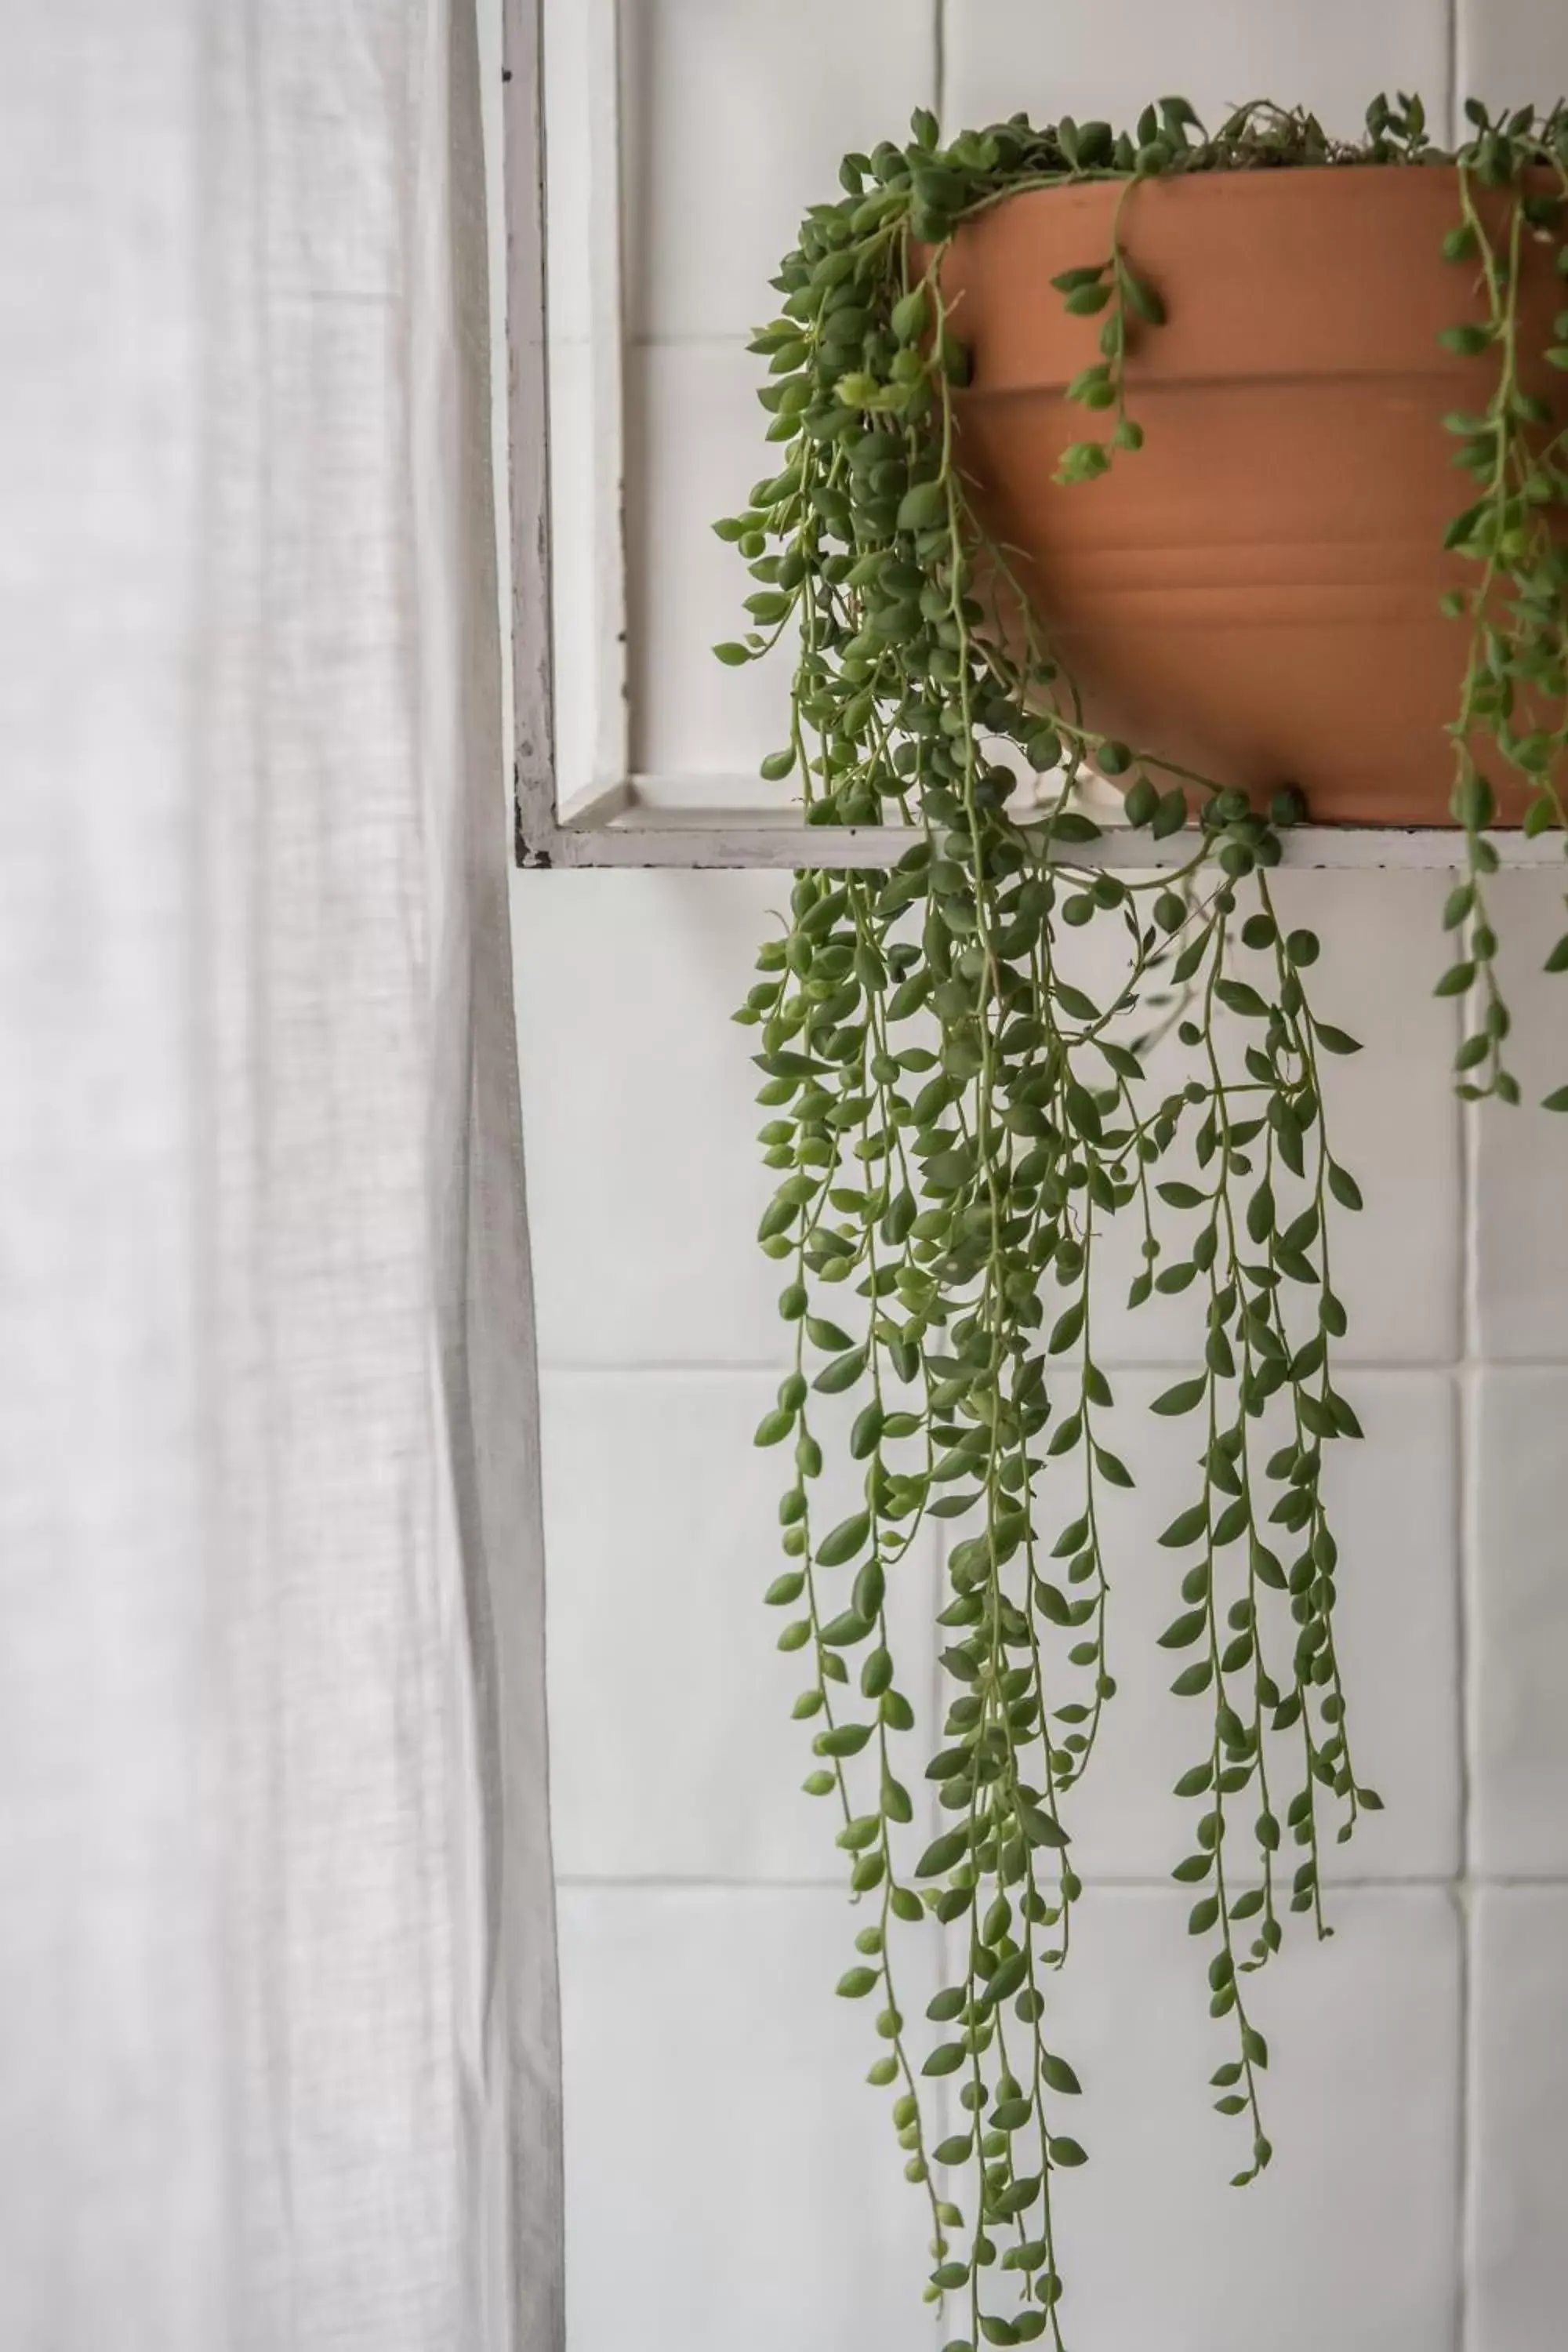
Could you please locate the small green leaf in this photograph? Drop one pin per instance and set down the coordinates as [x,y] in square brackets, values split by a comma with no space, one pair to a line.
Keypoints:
[923,507]
[1141,801]
[826,1336]
[1466,338]
[1181,1196]
[843,1739]
[1066,1329]
[1143,299]
[1052,1602]
[1183,1398]
[1241,998]
[1188,1526]
[1171,815]
[1112,1468]
[1182,1632]
[845,1631]
[910,314]
[1472,801]
[1006,1979]
[842,1542]
[1193,1679]
[943,1853]
[866,1432]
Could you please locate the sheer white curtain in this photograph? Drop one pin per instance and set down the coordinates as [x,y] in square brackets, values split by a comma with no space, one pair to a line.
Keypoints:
[277,2049]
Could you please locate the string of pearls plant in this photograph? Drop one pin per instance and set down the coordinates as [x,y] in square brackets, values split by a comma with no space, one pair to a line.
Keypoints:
[958,1111]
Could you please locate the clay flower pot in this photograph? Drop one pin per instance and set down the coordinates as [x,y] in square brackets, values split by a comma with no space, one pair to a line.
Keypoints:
[1254,593]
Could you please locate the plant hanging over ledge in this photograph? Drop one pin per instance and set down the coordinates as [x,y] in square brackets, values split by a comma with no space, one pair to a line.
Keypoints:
[960,1103]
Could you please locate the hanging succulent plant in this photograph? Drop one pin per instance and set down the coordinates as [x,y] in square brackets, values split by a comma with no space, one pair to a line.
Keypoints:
[960,1103]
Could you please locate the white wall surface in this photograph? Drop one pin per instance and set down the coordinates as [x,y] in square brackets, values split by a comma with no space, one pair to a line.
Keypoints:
[732,2182]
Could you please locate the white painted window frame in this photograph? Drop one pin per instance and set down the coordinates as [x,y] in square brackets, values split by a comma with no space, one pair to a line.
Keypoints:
[666,821]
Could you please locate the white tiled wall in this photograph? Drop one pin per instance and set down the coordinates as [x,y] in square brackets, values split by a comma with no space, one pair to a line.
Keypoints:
[732,2182]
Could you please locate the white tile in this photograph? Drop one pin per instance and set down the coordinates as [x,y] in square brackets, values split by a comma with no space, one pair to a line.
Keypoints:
[1349,2239]
[640,1120]
[1391,1505]
[673,1753]
[1521,1156]
[730,2178]
[1392,1120]
[695,446]
[639,1117]
[1519,1617]
[705,2052]
[1518,2119]
[1111,59]
[1393,1117]
[1393,1501]
[1513,52]
[738,115]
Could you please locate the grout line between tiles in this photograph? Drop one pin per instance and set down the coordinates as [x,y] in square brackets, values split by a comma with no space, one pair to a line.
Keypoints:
[1126,1366]
[1105,1883]
[1465,1501]
[734,339]
[1464,2168]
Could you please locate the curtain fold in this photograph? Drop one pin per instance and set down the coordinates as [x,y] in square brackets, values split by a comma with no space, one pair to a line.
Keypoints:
[276,1966]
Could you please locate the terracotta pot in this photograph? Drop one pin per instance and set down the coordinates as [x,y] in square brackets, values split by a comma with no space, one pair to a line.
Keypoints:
[1254,593]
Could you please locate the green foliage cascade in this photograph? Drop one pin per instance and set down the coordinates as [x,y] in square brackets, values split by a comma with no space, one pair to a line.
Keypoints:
[965,1101]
